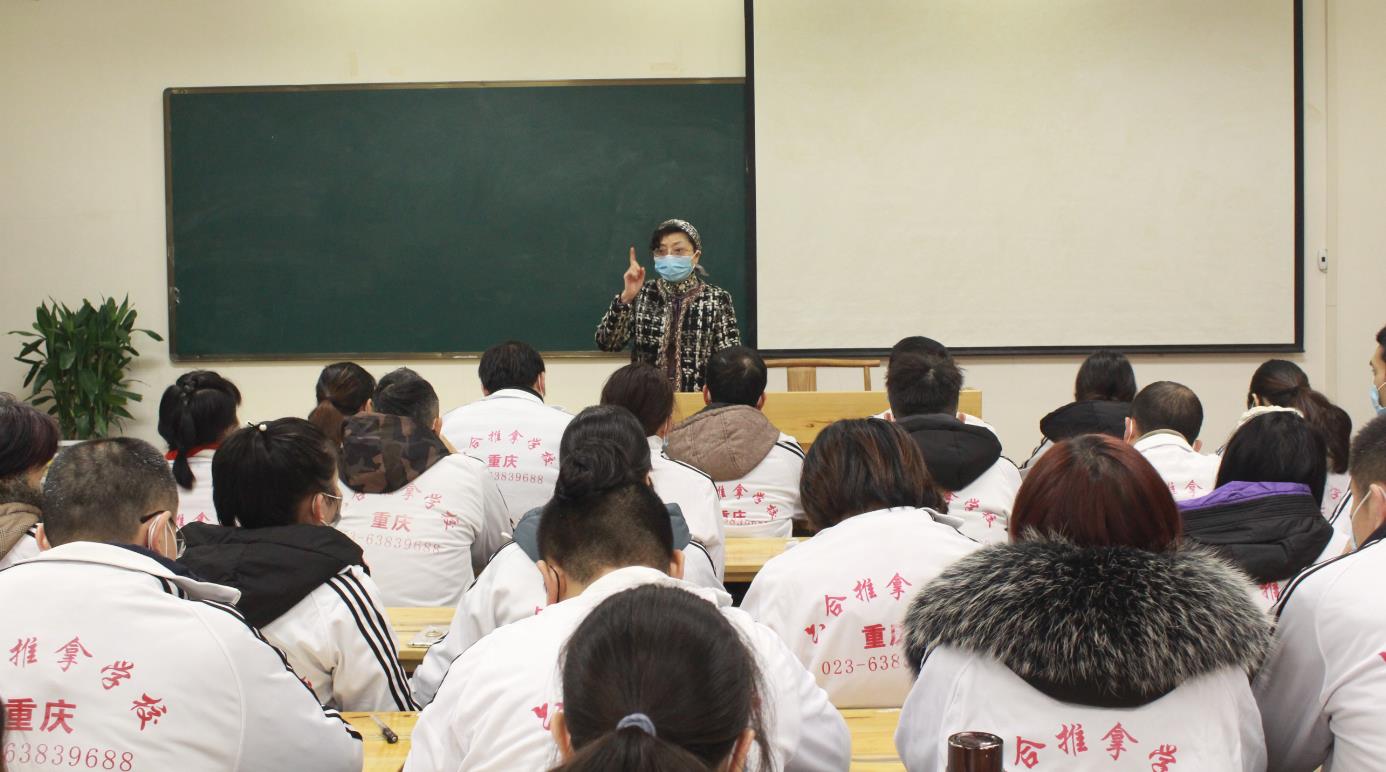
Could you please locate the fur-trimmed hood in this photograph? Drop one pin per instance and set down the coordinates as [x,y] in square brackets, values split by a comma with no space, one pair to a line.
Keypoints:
[1108,627]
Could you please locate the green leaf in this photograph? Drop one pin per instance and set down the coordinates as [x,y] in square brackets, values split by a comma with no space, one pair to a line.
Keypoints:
[66,358]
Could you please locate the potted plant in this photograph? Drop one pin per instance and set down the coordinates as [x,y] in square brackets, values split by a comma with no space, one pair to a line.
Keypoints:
[77,362]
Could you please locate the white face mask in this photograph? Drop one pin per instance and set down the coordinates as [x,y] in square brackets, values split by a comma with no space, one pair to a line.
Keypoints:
[1376,399]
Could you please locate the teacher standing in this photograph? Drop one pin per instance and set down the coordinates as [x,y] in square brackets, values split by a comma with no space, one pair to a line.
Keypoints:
[674,322]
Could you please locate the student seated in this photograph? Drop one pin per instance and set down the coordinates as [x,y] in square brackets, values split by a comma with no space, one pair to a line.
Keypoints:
[511,587]
[28,441]
[645,391]
[755,466]
[1280,383]
[658,678]
[344,389]
[195,414]
[304,585]
[1166,418]
[1264,514]
[919,344]
[1093,641]
[510,427]
[965,461]
[427,519]
[119,655]
[604,531]
[838,599]
[1320,690]
[1102,395]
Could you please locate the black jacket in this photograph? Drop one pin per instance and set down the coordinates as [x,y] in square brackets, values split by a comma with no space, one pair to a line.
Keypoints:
[274,568]
[1087,417]
[1272,531]
[955,452]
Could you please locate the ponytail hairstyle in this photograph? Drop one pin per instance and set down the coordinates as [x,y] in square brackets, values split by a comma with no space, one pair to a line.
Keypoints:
[197,410]
[404,392]
[263,472]
[603,514]
[1105,376]
[1281,383]
[660,658]
[343,390]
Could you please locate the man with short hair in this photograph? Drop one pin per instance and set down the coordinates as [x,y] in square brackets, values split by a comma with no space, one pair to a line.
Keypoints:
[965,460]
[510,428]
[117,654]
[1320,691]
[1165,420]
[495,705]
[755,466]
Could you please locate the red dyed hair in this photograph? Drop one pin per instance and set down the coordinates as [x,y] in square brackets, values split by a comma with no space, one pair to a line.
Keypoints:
[1097,491]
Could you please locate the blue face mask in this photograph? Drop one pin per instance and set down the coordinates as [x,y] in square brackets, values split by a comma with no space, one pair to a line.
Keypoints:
[674,268]
[1376,399]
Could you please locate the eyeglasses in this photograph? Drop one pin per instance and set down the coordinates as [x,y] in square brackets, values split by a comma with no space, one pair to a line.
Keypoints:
[180,544]
[337,499]
[676,252]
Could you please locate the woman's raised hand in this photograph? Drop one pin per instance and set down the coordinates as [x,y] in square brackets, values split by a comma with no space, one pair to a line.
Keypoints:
[635,278]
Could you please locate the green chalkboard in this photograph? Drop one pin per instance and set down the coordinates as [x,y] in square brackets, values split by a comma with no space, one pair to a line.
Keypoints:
[427,219]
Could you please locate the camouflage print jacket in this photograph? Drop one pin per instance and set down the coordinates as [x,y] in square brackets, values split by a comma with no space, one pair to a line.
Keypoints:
[674,327]
[383,453]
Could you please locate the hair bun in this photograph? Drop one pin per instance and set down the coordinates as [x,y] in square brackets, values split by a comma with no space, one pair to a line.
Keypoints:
[591,470]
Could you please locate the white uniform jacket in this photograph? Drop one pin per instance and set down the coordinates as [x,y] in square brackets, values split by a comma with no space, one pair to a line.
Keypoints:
[1208,723]
[195,505]
[1071,655]
[1187,473]
[838,599]
[1341,520]
[426,542]
[494,709]
[516,435]
[115,662]
[1321,690]
[693,490]
[340,643]
[765,502]
[1334,489]
[984,506]
[509,589]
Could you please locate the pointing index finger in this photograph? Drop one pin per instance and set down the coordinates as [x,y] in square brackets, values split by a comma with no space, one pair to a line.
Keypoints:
[633,261]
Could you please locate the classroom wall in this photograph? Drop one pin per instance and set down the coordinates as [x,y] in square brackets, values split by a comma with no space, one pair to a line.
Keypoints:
[81,210]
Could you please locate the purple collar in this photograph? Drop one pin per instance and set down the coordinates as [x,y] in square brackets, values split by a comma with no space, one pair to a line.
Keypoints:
[1236,492]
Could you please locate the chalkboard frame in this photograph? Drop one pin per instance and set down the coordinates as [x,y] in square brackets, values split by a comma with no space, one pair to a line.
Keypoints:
[748,314]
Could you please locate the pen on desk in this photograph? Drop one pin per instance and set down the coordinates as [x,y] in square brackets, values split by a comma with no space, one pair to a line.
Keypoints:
[385,731]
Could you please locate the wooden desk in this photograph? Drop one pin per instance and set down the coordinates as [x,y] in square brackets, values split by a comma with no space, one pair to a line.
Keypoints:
[803,414]
[407,623]
[873,739]
[746,556]
[380,755]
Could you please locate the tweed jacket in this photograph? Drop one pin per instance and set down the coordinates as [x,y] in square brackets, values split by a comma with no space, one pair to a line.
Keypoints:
[674,327]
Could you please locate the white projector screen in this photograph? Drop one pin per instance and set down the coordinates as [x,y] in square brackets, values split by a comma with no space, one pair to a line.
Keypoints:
[1012,174]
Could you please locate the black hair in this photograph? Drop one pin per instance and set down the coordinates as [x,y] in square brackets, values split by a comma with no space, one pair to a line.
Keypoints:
[612,426]
[1381,338]
[673,657]
[509,365]
[603,514]
[918,344]
[861,465]
[736,376]
[28,437]
[343,390]
[920,384]
[643,390]
[1275,447]
[98,490]
[198,409]
[1368,464]
[1168,405]
[261,473]
[404,392]
[666,229]
[1282,383]
[1106,376]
